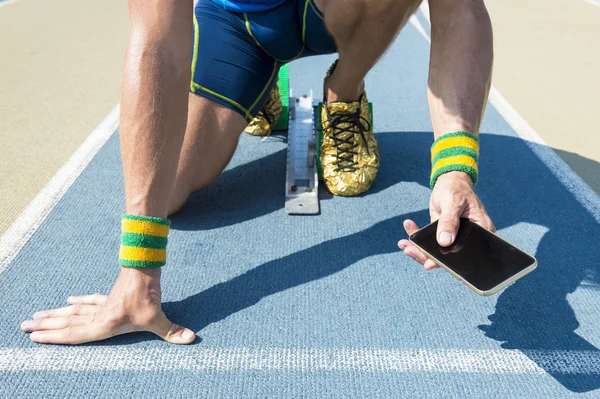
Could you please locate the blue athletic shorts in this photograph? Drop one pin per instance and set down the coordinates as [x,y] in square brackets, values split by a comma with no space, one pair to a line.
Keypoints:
[236,56]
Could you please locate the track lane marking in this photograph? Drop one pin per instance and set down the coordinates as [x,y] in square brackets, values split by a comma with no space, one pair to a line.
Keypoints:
[244,359]
[23,228]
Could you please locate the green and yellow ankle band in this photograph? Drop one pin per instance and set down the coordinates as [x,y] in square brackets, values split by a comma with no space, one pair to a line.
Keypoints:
[457,151]
[143,241]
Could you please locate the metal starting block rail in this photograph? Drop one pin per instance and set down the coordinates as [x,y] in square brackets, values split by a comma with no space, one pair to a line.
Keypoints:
[302,181]
[300,116]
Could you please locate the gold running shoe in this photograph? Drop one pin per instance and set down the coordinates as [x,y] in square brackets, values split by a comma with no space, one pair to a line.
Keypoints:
[349,155]
[268,116]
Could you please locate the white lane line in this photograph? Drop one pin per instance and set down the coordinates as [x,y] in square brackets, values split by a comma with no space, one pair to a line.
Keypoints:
[490,361]
[582,192]
[593,2]
[414,20]
[19,233]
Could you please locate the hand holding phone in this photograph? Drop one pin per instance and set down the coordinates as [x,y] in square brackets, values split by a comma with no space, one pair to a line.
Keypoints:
[478,257]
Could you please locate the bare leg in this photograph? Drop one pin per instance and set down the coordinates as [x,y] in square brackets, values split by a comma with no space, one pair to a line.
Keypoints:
[211,137]
[362,30]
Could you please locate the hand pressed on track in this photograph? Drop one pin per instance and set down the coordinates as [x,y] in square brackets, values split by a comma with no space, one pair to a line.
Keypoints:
[133,305]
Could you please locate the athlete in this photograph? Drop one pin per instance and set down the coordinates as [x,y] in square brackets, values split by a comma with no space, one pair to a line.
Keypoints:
[181,125]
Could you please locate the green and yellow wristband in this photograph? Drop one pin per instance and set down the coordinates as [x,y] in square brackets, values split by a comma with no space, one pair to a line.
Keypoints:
[143,241]
[457,151]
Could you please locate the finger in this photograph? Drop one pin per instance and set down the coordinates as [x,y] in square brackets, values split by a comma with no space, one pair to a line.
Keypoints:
[55,323]
[95,299]
[70,335]
[479,215]
[403,244]
[484,221]
[410,227]
[429,264]
[171,332]
[77,309]
[448,226]
[488,224]
[415,254]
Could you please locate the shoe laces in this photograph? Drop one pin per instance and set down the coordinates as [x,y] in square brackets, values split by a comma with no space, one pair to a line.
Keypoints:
[345,144]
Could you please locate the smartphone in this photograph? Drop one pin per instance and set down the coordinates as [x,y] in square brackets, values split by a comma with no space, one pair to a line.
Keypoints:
[478,257]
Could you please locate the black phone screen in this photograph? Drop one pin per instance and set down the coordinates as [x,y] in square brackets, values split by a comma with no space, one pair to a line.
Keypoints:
[478,256]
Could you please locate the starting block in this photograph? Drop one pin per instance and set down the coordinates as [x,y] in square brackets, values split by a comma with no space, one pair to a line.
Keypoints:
[301,117]
[302,179]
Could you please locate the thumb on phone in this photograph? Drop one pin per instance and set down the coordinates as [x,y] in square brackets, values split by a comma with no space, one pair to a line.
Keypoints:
[448,225]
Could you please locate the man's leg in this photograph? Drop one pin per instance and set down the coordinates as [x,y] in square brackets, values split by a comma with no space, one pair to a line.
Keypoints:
[363,30]
[230,84]
[266,120]
[211,136]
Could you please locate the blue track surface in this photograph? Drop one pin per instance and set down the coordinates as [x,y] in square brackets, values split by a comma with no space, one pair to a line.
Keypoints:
[243,274]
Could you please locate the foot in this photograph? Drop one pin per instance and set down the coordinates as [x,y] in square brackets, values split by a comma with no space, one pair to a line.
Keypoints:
[133,305]
[267,117]
[349,155]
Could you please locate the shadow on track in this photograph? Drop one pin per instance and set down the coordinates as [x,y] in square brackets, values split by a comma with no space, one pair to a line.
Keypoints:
[532,314]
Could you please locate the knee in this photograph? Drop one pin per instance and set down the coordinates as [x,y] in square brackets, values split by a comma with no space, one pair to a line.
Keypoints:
[340,20]
[195,183]
[186,185]
[342,17]
[182,192]
[201,184]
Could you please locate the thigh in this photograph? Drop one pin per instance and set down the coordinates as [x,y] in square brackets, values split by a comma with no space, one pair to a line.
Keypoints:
[232,77]
[293,30]
[278,31]
[228,66]
[211,137]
